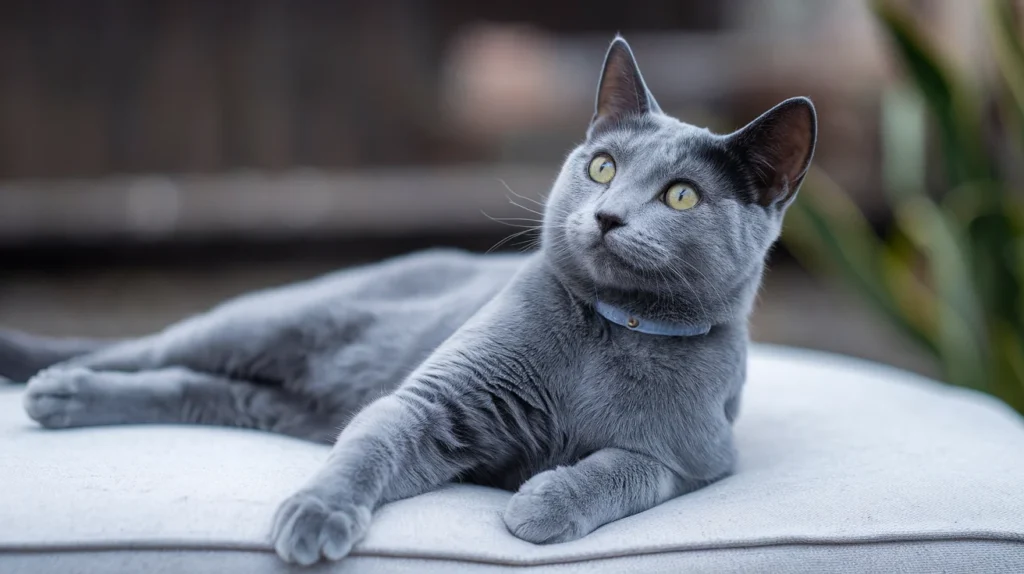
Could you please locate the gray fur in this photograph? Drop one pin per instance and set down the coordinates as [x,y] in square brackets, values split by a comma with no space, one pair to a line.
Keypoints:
[496,369]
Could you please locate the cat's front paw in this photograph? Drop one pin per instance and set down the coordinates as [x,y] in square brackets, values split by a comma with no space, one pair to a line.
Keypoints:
[56,397]
[306,527]
[544,510]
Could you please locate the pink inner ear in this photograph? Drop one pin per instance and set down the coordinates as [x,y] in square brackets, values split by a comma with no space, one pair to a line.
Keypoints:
[797,144]
[621,91]
[782,146]
[791,162]
[618,89]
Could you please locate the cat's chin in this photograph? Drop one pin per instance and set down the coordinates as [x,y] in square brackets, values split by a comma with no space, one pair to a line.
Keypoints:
[592,269]
[597,261]
[607,268]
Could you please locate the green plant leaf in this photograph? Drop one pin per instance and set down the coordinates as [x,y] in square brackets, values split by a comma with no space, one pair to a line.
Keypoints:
[826,230]
[961,327]
[1008,50]
[950,274]
[899,260]
[957,115]
[903,131]
[1009,351]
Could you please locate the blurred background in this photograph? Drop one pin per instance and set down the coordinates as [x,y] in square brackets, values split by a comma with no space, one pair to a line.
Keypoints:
[159,156]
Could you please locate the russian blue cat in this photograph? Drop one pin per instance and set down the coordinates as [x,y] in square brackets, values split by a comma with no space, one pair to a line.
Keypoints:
[596,377]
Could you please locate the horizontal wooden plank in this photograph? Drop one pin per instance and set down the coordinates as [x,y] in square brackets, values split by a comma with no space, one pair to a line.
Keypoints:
[269,205]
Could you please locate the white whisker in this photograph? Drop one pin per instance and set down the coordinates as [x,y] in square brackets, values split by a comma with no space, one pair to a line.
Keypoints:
[519,195]
[509,238]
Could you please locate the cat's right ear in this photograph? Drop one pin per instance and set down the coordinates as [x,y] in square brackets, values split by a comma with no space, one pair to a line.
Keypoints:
[621,91]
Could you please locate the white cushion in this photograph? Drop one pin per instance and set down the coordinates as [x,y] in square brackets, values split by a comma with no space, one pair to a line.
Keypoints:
[845,466]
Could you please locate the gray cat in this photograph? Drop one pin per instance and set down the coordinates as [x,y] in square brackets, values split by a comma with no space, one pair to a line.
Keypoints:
[597,377]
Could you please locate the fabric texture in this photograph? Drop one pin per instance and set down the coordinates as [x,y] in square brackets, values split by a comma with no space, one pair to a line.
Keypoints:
[845,466]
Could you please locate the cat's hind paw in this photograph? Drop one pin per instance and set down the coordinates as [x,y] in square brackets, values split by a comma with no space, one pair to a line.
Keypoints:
[306,528]
[56,397]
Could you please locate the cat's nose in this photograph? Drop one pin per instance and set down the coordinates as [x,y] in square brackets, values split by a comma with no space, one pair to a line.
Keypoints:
[607,221]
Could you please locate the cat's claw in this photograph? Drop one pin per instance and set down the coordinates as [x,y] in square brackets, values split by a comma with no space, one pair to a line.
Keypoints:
[306,528]
[56,395]
[544,512]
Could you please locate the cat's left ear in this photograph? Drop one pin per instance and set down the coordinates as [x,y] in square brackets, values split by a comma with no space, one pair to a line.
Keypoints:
[621,91]
[778,147]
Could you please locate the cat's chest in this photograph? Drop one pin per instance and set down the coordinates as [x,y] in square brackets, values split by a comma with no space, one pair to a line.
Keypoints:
[635,378]
[628,387]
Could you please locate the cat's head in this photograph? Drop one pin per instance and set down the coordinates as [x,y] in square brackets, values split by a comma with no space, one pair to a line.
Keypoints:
[652,211]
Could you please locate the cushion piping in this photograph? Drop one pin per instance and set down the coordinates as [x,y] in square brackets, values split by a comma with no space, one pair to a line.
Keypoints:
[498,561]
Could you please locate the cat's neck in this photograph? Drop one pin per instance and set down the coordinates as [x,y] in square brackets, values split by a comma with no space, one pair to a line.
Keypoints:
[728,305]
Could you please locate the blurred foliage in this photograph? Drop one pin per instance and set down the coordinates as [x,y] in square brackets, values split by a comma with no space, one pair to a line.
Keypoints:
[949,271]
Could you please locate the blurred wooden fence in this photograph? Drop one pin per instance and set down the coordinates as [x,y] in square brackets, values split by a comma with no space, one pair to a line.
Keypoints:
[165,85]
[102,86]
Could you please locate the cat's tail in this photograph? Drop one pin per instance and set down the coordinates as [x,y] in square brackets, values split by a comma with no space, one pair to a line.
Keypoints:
[23,355]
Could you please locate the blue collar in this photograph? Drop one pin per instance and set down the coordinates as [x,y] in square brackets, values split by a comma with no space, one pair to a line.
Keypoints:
[664,328]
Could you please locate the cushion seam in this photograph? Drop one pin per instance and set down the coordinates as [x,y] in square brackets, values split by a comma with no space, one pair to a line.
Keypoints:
[497,561]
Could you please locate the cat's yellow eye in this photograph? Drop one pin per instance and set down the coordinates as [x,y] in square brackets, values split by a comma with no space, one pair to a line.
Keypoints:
[602,168]
[680,196]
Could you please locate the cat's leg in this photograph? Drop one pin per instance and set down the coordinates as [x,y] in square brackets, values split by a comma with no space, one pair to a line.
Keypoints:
[129,355]
[22,355]
[63,397]
[569,502]
[399,446]
[249,347]
[217,341]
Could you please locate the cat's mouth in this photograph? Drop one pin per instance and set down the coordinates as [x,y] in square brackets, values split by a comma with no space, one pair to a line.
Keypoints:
[608,245]
[603,257]
[609,259]
[619,258]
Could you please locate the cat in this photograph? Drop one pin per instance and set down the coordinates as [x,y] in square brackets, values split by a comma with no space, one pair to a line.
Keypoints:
[596,377]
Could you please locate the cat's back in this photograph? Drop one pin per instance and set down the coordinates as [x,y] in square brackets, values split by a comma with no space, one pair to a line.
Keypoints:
[427,274]
[393,311]
[405,279]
